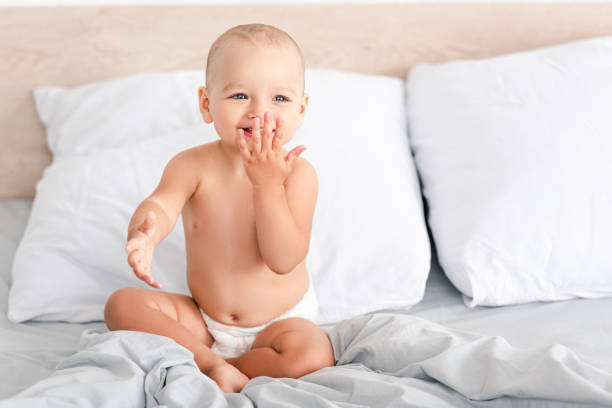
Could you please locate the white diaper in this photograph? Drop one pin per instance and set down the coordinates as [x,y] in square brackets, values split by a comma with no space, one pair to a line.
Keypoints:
[232,341]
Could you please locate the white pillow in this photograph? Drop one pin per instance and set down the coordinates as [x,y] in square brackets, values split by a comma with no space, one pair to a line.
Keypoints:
[114,112]
[369,247]
[515,157]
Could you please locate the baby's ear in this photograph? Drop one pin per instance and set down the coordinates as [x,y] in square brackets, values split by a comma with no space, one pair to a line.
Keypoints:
[303,109]
[204,104]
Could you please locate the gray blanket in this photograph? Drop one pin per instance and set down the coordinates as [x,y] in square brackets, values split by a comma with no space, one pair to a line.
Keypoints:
[383,360]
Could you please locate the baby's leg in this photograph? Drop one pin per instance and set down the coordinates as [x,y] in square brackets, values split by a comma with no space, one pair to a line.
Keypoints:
[288,348]
[175,316]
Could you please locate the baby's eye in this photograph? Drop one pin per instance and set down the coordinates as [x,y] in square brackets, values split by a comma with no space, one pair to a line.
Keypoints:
[280,98]
[239,96]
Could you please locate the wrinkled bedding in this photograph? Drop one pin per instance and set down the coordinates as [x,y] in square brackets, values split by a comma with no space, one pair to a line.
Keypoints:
[383,360]
[440,353]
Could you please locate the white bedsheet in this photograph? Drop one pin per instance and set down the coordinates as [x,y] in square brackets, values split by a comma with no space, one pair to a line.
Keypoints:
[383,360]
[30,352]
[583,325]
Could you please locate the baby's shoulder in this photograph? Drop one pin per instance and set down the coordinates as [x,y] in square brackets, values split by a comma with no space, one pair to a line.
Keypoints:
[304,167]
[303,172]
[196,156]
[189,165]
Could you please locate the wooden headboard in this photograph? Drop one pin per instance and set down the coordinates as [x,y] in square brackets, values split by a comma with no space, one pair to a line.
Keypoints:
[74,45]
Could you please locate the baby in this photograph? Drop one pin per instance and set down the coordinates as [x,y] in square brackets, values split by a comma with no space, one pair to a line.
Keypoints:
[247,207]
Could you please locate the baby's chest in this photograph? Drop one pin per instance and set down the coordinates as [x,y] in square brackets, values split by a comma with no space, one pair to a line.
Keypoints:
[226,210]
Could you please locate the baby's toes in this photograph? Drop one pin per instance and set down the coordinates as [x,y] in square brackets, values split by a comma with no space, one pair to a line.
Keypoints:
[228,378]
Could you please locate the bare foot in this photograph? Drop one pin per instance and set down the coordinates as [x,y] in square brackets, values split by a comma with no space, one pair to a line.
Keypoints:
[227,377]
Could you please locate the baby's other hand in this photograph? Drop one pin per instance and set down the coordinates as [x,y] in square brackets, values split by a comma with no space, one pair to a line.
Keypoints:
[140,248]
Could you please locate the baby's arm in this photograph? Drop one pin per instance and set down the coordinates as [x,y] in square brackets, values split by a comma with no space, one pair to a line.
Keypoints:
[155,217]
[283,217]
[284,196]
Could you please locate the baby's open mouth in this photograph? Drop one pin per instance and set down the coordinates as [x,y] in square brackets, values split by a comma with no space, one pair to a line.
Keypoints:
[249,131]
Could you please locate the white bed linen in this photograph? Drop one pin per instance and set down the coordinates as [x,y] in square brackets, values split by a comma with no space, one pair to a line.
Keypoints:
[29,352]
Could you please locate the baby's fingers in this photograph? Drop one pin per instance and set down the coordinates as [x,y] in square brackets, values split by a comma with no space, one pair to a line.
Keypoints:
[277,141]
[142,272]
[132,245]
[256,135]
[242,145]
[268,131]
[293,154]
[135,261]
[149,280]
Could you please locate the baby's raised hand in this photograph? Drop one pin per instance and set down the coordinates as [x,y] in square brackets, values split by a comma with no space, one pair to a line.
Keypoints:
[262,155]
[140,248]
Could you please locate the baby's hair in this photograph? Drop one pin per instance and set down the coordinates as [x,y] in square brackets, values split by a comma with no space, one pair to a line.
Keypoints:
[256,34]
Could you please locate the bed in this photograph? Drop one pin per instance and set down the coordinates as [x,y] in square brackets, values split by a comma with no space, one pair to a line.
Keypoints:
[426,335]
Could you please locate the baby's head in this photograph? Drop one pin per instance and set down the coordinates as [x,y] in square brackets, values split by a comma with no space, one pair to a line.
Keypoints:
[252,69]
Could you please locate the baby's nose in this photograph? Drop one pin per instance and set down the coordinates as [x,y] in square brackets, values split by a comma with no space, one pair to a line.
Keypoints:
[257,109]
[259,115]
[252,116]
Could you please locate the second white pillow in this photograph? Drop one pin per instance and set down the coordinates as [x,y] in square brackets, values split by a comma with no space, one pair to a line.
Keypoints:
[515,156]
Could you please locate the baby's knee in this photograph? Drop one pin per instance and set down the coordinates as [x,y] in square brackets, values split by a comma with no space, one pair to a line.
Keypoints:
[317,357]
[120,307]
[309,357]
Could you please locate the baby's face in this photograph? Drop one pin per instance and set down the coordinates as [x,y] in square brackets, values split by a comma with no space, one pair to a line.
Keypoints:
[249,81]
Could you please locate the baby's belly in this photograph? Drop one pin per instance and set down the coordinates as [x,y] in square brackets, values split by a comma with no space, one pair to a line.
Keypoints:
[246,297]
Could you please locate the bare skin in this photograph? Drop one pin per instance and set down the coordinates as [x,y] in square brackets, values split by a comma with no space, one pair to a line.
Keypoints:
[247,206]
